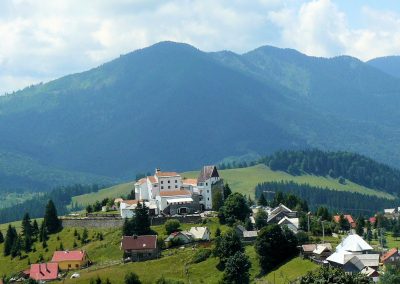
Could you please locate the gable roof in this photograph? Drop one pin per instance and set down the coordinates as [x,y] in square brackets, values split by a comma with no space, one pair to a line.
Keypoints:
[139,242]
[364,260]
[141,181]
[130,201]
[308,247]
[353,243]
[349,218]
[186,235]
[388,254]
[75,255]
[175,193]
[44,271]
[322,247]
[198,232]
[286,220]
[207,172]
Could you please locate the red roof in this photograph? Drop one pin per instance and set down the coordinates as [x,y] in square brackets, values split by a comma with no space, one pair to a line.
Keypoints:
[75,255]
[167,174]
[175,192]
[387,255]
[44,271]
[152,179]
[139,242]
[349,218]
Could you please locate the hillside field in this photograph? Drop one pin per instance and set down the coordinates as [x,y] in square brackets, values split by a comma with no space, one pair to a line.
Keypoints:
[243,180]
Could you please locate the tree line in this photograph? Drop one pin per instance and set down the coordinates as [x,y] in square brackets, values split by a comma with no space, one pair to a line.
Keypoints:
[342,165]
[61,196]
[333,199]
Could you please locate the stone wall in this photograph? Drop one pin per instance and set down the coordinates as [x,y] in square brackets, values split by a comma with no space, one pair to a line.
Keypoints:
[118,222]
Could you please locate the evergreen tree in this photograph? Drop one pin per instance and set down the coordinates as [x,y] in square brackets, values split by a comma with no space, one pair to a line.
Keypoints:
[237,269]
[217,200]
[227,191]
[85,236]
[11,237]
[27,230]
[142,219]
[43,232]
[360,224]
[262,201]
[1,238]
[51,221]
[35,229]
[132,278]
[16,247]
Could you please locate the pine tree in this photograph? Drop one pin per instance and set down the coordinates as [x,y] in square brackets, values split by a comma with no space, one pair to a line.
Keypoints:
[142,219]
[227,191]
[51,221]
[11,236]
[16,248]
[35,229]
[1,238]
[85,236]
[43,232]
[27,232]
[262,201]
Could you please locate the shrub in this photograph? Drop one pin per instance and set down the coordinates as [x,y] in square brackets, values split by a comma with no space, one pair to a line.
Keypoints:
[201,255]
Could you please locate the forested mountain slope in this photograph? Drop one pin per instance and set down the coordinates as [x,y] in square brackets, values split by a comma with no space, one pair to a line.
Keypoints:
[175,107]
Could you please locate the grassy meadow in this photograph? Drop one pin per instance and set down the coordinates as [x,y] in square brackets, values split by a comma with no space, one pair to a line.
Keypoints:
[243,180]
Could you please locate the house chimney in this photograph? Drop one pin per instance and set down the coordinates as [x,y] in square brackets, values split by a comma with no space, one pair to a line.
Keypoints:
[157,170]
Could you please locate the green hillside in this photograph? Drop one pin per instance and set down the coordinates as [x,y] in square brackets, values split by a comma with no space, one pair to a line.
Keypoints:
[106,255]
[111,192]
[244,180]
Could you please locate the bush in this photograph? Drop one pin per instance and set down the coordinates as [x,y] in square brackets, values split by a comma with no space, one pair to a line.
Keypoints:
[201,255]
[172,225]
[163,280]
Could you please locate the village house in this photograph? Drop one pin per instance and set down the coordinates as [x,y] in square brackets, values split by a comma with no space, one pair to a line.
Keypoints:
[349,219]
[127,207]
[177,202]
[245,235]
[316,251]
[283,216]
[178,238]
[390,257]
[200,233]
[68,260]
[44,272]
[354,255]
[139,248]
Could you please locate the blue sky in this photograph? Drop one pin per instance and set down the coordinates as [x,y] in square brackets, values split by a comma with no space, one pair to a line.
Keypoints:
[43,40]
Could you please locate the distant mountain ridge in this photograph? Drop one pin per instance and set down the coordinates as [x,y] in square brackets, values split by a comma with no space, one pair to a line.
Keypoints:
[173,106]
[387,64]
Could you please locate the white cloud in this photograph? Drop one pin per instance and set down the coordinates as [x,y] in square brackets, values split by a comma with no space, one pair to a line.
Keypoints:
[319,28]
[46,39]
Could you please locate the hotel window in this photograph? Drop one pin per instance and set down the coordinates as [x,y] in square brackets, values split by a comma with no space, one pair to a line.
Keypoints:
[176,181]
[169,181]
[162,187]
[169,187]
[176,186]
[162,182]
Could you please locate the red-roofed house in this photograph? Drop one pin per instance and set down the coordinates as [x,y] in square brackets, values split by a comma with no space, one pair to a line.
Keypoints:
[68,260]
[44,271]
[391,256]
[139,248]
[349,218]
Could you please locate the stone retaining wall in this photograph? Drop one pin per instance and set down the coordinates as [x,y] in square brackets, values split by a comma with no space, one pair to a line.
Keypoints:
[109,222]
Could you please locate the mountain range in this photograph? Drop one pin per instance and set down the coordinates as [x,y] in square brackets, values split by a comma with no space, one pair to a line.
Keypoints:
[176,107]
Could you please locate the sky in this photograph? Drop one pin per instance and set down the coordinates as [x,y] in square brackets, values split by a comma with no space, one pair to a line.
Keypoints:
[46,39]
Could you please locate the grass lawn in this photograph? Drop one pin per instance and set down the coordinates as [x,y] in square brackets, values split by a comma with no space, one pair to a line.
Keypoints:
[289,271]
